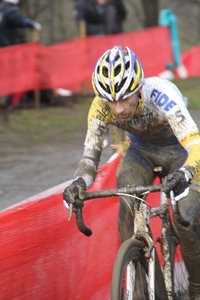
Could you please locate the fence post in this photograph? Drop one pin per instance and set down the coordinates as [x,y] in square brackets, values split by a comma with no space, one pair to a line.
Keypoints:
[83,34]
[82,29]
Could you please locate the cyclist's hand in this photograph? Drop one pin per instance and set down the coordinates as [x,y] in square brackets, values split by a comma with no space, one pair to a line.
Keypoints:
[178,182]
[74,194]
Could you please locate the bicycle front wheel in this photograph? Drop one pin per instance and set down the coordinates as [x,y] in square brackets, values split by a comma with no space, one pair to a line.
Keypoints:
[130,279]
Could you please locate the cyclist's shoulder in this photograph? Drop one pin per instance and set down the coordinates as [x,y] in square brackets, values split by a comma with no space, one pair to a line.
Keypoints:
[100,110]
[158,82]
[158,88]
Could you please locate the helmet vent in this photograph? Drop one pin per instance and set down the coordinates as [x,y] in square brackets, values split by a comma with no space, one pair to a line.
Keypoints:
[118,87]
[105,72]
[135,67]
[130,85]
[127,65]
[117,70]
[107,88]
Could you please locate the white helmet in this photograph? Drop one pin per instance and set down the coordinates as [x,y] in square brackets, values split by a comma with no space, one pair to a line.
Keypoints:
[118,74]
[12,1]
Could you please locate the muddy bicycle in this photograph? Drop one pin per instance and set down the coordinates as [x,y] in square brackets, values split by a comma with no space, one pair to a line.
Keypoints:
[138,273]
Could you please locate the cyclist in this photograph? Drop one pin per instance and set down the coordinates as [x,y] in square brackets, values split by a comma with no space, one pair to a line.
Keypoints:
[160,131]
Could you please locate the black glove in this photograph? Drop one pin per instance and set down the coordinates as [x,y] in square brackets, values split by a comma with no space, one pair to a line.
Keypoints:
[178,182]
[74,194]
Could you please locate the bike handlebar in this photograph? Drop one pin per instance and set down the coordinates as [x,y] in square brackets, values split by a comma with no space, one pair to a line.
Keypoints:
[134,190]
[131,190]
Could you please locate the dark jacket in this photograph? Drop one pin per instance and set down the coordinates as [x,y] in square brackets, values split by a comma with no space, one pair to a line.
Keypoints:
[121,13]
[100,20]
[11,20]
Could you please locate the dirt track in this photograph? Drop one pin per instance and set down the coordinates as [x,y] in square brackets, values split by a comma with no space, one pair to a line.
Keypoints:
[28,171]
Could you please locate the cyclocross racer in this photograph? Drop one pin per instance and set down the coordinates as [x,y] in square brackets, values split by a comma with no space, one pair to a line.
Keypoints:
[160,131]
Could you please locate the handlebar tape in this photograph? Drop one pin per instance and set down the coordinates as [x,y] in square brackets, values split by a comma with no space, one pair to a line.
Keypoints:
[81,225]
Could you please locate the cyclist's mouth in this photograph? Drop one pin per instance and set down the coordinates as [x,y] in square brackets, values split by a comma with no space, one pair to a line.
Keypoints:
[123,116]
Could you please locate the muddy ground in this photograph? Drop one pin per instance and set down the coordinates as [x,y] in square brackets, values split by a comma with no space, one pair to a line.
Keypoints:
[28,171]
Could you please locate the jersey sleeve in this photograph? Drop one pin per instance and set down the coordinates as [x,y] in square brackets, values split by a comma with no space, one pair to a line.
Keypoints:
[99,117]
[188,135]
[172,105]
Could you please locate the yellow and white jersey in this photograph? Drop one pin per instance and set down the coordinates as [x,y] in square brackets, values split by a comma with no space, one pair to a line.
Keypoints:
[161,118]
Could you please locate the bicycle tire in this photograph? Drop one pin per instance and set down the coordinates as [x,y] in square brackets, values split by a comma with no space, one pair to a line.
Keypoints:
[179,272]
[132,251]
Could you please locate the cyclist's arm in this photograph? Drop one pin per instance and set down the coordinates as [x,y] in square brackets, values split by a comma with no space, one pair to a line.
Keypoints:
[96,139]
[188,135]
[183,127]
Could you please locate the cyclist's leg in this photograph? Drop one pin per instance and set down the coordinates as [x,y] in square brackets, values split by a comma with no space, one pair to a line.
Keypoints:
[138,161]
[190,240]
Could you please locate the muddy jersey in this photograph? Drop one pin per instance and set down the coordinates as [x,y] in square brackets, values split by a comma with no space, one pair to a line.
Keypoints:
[161,118]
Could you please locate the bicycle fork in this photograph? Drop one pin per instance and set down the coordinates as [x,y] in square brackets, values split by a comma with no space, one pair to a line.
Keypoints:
[142,233]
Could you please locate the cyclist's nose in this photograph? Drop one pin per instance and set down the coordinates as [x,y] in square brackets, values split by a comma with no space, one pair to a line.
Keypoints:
[119,107]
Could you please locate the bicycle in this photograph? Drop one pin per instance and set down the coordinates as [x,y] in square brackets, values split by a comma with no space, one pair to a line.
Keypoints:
[137,272]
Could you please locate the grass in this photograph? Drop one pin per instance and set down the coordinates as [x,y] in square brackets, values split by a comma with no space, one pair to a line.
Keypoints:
[47,119]
[190,88]
[45,125]
[26,127]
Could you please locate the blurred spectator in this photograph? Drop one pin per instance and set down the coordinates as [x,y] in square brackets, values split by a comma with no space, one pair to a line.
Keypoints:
[120,14]
[11,20]
[101,16]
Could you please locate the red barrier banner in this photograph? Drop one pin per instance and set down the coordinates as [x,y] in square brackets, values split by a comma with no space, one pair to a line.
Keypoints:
[190,59]
[63,64]
[70,64]
[19,68]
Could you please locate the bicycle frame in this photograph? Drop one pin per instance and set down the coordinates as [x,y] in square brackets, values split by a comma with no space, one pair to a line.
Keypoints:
[141,232]
[141,217]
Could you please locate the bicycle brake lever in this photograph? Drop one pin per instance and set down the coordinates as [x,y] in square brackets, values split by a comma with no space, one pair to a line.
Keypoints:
[175,208]
[173,201]
[70,211]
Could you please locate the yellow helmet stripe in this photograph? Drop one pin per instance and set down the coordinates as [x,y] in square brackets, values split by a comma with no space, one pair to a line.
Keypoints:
[122,65]
[112,75]
[101,70]
[112,81]
[93,85]
[136,81]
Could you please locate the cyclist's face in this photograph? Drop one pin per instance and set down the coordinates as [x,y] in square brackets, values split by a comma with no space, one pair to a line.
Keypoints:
[124,109]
